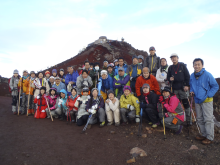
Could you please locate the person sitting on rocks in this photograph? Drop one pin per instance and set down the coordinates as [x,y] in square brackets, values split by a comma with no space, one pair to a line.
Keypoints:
[129,106]
[172,110]
[40,100]
[62,108]
[148,102]
[58,85]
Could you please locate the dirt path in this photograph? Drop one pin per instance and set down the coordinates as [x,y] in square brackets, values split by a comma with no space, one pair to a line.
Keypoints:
[28,141]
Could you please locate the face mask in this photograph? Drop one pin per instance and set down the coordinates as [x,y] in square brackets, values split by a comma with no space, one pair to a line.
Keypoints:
[97,68]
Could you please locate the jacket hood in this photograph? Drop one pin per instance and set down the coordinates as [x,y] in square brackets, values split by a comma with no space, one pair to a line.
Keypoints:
[64,91]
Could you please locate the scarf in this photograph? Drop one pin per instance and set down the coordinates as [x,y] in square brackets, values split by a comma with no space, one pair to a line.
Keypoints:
[32,79]
[166,97]
[73,97]
[146,98]
[52,96]
[163,68]
[25,77]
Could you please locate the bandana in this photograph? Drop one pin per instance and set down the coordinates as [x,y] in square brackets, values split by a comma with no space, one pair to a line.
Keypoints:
[146,98]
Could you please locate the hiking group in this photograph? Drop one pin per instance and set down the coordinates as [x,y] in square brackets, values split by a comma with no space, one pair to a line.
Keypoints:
[121,93]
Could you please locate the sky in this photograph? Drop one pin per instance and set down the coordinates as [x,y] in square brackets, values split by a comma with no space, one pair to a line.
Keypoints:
[38,34]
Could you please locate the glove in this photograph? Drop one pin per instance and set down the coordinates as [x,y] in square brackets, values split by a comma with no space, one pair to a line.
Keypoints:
[161,99]
[128,106]
[38,96]
[131,78]
[85,79]
[137,119]
[132,108]
[78,99]
[85,83]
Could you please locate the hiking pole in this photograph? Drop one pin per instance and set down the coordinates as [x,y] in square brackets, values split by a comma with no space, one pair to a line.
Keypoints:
[84,129]
[49,109]
[29,97]
[19,100]
[164,132]
[140,124]
[194,114]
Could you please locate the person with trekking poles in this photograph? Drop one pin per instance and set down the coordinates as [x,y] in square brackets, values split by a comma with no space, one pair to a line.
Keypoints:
[53,100]
[152,61]
[161,74]
[203,87]
[41,102]
[84,80]
[82,114]
[95,106]
[30,91]
[62,108]
[148,101]
[112,109]
[13,84]
[24,97]
[172,110]
[70,103]
[129,106]
[120,80]
[178,76]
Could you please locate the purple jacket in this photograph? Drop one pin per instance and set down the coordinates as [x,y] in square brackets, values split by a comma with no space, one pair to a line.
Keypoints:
[121,82]
[101,103]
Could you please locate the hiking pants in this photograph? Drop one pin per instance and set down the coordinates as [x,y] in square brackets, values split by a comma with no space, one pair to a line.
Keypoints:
[113,115]
[82,120]
[125,112]
[205,119]
[52,112]
[99,114]
[24,102]
[168,123]
[152,115]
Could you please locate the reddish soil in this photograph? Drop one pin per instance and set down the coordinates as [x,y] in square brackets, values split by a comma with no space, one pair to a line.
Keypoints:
[28,141]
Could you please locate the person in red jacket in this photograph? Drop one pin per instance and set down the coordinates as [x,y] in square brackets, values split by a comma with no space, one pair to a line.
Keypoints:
[173,111]
[70,103]
[41,104]
[147,78]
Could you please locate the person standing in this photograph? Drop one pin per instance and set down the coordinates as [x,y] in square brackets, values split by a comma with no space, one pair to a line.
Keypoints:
[161,75]
[178,76]
[62,76]
[105,65]
[152,61]
[71,78]
[141,60]
[203,87]
[121,64]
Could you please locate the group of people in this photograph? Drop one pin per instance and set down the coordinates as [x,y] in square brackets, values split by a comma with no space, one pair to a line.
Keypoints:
[120,91]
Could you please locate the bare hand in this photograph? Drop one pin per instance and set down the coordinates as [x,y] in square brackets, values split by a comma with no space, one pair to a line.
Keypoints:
[171,78]
[186,88]
[114,100]
[191,93]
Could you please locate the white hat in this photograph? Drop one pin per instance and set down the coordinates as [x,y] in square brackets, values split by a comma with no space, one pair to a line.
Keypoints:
[51,77]
[57,78]
[174,55]
[104,72]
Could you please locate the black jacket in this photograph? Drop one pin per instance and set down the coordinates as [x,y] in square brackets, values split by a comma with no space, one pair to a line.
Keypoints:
[152,99]
[181,76]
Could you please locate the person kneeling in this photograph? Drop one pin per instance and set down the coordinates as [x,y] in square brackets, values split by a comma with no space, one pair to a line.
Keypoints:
[72,109]
[129,105]
[172,110]
[62,108]
[53,100]
[148,101]
[96,105]
[40,100]
[82,115]
[112,109]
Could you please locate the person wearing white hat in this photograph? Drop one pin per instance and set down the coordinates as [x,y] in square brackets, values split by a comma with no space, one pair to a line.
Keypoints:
[105,65]
[51,81]
[58,85]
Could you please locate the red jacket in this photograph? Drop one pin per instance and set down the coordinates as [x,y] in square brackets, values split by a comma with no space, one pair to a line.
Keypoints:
[41,102]
[70,103]
[151,80]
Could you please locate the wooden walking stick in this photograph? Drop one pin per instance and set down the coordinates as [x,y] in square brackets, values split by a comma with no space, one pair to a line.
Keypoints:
[164,132]
[49,109]
[29,97]
[19,100]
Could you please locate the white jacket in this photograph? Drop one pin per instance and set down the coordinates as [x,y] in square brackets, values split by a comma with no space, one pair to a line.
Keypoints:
[110,106]
[37,85]
[161,76]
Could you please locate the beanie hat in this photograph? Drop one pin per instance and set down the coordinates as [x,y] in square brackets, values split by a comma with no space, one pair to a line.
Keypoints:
[15,71]
[121,69]
[47,72]
[152,48]
[140,56]
[116,60]
[54,71]
[105,61]
[110,65]
[146,86]
[127,88]
[110,91]
[134,57]
[85,89]
[104,72]
[94,89]
[25,71]
[32,72]
[166,89]
[62,70]
[44,88]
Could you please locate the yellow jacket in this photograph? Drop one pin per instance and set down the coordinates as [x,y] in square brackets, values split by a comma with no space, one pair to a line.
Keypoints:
[24,88]
[132,100]
[28,86]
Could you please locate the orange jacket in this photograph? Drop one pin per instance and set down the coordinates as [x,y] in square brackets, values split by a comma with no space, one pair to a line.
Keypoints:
[27,85]
[152,81]
[24,88]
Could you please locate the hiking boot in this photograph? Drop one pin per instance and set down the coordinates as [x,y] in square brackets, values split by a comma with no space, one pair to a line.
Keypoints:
[89,126]
[48,117]
[102,124]
[29,112]
[150,123]
[32,111]
[155,125]
[22,113]
[117,124]
[200,137]
[180,130]
[207,142]
[110,123]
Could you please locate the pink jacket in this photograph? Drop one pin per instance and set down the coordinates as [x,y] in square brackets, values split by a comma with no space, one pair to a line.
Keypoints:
[172,104]
[52,102]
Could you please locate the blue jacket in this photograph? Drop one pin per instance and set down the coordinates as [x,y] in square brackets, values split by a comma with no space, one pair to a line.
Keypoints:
[64,99]
[205,86]
[59,87]
[107,84]
[116,69]
[71,77]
